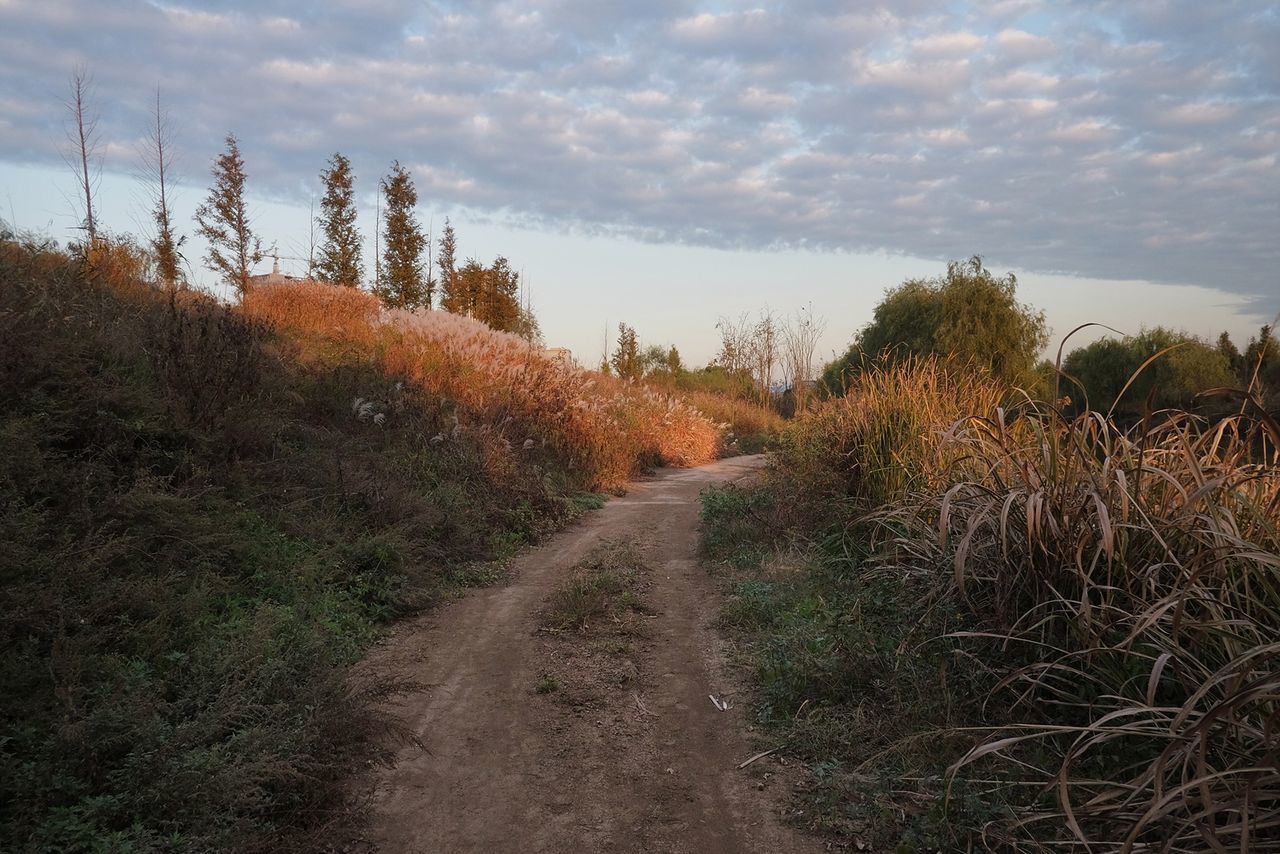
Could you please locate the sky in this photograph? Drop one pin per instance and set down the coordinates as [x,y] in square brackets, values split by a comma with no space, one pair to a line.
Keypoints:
[671,162]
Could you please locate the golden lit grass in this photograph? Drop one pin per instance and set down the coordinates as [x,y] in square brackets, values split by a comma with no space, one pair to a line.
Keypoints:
[607,428]
[886,436]
[742,419]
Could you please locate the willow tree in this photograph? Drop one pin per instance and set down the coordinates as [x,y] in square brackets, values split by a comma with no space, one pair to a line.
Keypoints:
[968,315]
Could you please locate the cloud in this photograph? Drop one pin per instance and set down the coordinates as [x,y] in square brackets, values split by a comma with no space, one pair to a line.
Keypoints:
[1104,138]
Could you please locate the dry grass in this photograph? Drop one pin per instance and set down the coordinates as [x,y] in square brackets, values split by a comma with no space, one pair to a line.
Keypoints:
[748,426]
[1126,588]
[885,437]
[608,428]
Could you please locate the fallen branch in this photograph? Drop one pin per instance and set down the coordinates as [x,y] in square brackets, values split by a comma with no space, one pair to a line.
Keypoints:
[760,755]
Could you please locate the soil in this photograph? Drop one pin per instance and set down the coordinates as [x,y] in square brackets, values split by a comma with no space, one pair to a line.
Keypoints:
[605,741]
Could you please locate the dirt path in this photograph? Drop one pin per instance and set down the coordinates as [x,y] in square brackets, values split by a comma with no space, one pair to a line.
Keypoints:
[630,755]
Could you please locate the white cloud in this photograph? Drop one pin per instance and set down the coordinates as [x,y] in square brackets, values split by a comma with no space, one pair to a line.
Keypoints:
[1056,136]
[1022,46]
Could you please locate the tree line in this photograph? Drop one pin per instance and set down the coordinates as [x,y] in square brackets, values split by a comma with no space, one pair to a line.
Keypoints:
[405,272]
[766,359]
[973,317]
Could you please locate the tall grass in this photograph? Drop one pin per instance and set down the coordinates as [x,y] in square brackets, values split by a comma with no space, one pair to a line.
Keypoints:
[1130,582]
[1098,604]
[748,427]
[608,428]
[885,437]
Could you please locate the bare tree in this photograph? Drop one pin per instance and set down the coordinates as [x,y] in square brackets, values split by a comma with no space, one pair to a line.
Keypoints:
[799,343]
[750,347]
[157,168]
[735,338]
[762,354]
[311,238]
[84,156]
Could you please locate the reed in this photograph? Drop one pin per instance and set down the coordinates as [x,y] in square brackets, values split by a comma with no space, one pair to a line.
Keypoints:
[1124,588]
[609,429]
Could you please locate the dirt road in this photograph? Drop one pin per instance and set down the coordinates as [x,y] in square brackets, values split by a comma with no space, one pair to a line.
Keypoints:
[538,743]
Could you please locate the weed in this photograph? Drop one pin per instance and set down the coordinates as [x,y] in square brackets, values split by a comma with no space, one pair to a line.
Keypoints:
[601,593]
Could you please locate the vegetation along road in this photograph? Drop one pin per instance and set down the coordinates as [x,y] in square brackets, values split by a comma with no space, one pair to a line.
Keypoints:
[571,708]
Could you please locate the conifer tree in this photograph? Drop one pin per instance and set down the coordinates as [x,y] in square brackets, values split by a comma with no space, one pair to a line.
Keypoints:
[498,302]
[223,221]
[402,283]
[339,260]
[450,297]
[626,359]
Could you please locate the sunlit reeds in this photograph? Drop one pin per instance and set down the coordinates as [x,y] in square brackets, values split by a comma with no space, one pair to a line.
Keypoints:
[606,427]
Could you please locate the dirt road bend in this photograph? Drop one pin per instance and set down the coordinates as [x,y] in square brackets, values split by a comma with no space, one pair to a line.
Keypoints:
[535,742]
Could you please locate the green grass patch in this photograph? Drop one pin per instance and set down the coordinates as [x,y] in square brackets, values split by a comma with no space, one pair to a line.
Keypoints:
[601,594]
[847,680]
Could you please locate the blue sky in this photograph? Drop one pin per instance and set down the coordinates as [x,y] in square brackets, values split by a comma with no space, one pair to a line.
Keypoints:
[669,162]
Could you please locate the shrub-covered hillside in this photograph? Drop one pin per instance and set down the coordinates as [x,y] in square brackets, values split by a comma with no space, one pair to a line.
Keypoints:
[204,519]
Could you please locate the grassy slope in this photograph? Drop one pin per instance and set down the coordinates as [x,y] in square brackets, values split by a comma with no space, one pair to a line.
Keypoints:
[198,533]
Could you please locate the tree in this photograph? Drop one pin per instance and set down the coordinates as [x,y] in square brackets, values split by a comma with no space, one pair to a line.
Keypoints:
[223,221]
[675,365]
[968,314]
[339,260]
[498,300]
[653,359]
[489,294]
[1189,366]
[1231,353]
[527,327]
[157,163]
[401,283]
[447,261]
[750,348]
[84,156]
[462,294]
[762,355]
[799,343]
[626,358]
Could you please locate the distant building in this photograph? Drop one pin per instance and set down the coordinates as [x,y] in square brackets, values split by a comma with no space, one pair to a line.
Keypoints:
[275,277]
